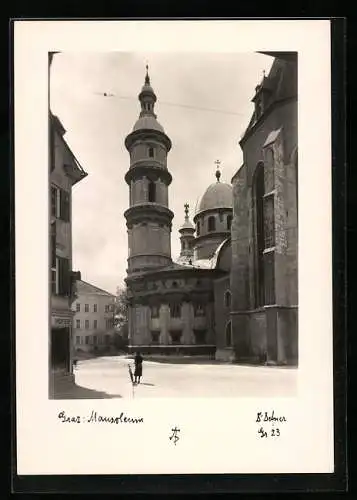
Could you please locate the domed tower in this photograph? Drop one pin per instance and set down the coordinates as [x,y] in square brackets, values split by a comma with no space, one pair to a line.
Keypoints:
[213,218]
[187,239]
[149,219]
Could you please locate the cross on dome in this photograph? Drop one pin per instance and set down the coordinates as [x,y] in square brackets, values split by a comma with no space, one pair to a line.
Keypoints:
[147,78]
[218,173]
[186,206]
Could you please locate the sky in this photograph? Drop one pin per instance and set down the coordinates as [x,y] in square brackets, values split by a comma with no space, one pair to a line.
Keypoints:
[203,103]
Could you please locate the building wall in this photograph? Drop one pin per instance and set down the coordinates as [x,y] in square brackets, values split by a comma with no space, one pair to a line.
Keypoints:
[140,152]
[153,322]
[61,314]
[221,310]
[149,238]
[207,242]
[262,332]
[84,338]
[139,191]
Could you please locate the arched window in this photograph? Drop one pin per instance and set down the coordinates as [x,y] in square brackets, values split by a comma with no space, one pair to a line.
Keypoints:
[152,191]
[229,222]
[198,228]
[211,223]
[151,152]
[229,334]
[227,298]
[259,234]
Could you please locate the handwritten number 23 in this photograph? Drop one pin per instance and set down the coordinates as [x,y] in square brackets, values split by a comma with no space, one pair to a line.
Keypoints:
[275,432]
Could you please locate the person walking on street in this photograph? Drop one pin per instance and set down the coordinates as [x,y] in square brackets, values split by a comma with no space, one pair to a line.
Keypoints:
[138,360]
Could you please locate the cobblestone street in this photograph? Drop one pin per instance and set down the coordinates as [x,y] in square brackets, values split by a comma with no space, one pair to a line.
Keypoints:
[108,377]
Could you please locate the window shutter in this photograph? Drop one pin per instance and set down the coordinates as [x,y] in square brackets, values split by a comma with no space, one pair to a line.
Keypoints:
[53,201]
[64,202]
[53,245]
[52,148]
[64,276]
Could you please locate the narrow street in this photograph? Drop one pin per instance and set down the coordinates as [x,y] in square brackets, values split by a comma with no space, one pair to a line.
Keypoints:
[108,377]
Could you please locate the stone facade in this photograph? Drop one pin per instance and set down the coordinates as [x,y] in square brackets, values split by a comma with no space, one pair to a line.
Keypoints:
[93,320]
[265,227]
[64,173]
[233,290]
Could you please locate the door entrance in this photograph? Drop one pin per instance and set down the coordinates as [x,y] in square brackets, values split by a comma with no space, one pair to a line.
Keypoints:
[60,348]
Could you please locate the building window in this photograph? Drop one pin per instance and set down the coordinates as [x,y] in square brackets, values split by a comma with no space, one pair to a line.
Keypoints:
[60,277]
[107,338]
[155,311]
[78,339]
[52,149]
[152,192]
[109,323]
[155,336]
[54,281]
[95,308]
[269,228]
[78,323]
[229,222]
[87,339]
[227,298]
[78,307]
[259,234]
[199,310]
[65,206]
[95,339]
[200,336]
[211,223]
[86,324]
[220,217]
[176,336]
[175,310]
[198,228]
[95,323]
[53,259]
[60,203]
[229,334]
[151,152]
[53,244]
[86,308]
[54,201]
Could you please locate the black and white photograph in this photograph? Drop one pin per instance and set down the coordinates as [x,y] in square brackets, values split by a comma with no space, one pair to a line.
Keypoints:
[173,247]
[174,224]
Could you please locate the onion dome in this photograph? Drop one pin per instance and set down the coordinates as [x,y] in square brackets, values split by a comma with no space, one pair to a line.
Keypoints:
[147,118]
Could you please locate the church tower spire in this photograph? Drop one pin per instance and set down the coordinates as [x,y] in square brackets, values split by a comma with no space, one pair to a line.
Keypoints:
[148,218]
[187,238]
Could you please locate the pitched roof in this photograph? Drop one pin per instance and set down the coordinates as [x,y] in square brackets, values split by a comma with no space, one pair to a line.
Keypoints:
[281,84]
[86,288]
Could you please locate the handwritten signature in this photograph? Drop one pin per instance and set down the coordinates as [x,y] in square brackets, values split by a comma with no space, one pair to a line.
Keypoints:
[269,420]
[174,436]
[94,417]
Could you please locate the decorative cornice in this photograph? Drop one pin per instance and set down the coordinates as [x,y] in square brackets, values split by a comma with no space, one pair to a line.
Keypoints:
[151,171]
[212,235]
[148,212]
[210,211]
[147,134]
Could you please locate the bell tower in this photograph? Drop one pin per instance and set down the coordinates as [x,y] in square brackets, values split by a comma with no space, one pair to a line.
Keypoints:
[148,218]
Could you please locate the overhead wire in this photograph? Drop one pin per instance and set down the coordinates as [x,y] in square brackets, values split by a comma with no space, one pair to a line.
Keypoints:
[167,103]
